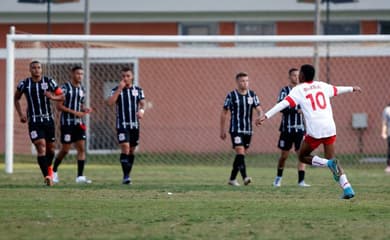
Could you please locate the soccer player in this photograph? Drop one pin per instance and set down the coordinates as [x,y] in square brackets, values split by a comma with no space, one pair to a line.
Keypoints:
[314,99]
[386,133]
[39,90]
[240,103]
[130,102]
[72,125]
[291,132]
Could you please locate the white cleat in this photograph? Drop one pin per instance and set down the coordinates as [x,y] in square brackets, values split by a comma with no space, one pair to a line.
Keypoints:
[387,169]
[234,183]
[83,179]
[303,184]
[247,180]
[277,182]
[55,177]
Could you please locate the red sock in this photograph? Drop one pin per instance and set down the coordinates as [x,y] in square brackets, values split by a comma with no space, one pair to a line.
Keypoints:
[50,171]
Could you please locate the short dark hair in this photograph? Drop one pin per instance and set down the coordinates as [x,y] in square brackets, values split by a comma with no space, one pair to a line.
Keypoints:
[292,70]
[308,72]
[34,62]
[126,69]
[241,74]
[75,68]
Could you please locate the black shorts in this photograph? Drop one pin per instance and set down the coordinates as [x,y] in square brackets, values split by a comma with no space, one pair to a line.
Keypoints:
[240,139]
[286,140]
[128,135]
[42,130]
[71,134]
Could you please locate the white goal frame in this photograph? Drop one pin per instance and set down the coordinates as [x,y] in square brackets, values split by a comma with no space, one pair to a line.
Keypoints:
[12,38]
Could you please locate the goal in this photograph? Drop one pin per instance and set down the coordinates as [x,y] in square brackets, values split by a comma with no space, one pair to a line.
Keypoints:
[186,78]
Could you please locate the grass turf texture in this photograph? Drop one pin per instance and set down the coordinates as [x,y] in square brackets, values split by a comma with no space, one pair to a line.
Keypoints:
[201,206]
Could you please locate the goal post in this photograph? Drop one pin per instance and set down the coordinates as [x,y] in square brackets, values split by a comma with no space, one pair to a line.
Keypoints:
[177,58]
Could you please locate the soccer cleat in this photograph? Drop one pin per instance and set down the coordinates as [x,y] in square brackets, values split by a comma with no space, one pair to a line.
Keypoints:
[48,181]
[234,183]
[303,184]
[348,193]
[55,177]
[277,182]
[247,180]
[387,169]
[83,179]
[334,168]
[126,180]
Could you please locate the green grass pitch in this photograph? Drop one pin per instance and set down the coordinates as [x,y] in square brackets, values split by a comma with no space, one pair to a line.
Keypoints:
[201,206]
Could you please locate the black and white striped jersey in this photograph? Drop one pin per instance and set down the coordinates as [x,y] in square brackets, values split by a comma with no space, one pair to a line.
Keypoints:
[292,120]
[241,109]
[38,105]
[74,99]
[127,107]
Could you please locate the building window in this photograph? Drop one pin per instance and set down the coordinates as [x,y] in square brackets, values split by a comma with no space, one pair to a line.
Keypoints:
[255,29]
[384,27]
[189,29]
[341,28]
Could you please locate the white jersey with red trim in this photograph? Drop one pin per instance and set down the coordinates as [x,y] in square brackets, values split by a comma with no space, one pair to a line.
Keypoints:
[314,99]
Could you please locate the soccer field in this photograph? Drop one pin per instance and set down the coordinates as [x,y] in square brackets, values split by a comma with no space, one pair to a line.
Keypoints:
[191,202]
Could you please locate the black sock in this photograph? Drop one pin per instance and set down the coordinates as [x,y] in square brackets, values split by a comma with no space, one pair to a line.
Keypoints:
[241,165]
[80,167]
[43,165]
[130,158]
[57,163]
[280,172]
[301,176]
[125,165]
[49,159]
[235,169]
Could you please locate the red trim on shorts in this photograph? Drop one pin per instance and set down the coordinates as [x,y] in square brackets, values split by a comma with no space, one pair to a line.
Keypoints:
[334,91]
[314,142]
[290,101]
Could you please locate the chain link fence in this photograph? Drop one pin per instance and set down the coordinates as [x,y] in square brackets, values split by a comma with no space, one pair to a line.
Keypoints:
[185,86]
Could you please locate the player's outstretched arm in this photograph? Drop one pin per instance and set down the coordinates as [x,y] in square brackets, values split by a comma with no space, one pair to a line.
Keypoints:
[277,108]
[341,90]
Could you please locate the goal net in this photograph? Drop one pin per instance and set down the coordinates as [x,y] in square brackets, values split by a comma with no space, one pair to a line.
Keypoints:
[186,80]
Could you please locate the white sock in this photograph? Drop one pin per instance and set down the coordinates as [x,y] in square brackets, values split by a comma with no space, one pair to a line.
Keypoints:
[319,162]
[344,182]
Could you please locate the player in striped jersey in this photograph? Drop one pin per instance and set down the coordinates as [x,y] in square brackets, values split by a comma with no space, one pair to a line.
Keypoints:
[291,132]
[314,99]
[39,90]
[72,125]
[240,103]
[130,102]
[386,133]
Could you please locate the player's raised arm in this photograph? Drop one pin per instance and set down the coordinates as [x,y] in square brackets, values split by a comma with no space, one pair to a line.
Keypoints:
[114,96]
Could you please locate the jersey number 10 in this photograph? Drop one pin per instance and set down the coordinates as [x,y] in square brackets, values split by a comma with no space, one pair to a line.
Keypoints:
[317,101]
